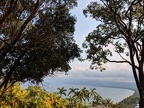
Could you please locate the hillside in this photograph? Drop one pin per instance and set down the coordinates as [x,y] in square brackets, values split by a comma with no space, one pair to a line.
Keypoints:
[130,101]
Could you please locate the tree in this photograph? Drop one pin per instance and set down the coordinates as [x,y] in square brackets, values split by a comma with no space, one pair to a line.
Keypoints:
[72,91]
[62,91]
[83,95]
[32,97]
[36,39]
[120,27]
[98,99]
[93,93]
[108,103]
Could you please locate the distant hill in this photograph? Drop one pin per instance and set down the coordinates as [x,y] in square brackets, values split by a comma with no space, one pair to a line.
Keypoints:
[130,101]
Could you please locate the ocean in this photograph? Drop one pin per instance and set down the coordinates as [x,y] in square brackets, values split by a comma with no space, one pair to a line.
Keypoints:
[116,91]
[115,94]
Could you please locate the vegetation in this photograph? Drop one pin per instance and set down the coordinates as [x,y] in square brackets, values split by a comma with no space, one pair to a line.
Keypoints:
[131,101]
[36,39]
[120,31]
[32,97]
[36,97]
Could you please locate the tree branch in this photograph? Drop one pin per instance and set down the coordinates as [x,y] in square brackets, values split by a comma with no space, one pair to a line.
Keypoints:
[134,69]
[9,74]
[119,23]
[10,10]
[21,30]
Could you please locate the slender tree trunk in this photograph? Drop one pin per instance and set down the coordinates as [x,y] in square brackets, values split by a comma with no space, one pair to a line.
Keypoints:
[141,70]
[141,77]
[141,102]
[138,71]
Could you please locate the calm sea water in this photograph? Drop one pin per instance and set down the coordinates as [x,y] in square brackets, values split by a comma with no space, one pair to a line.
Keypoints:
[115,94]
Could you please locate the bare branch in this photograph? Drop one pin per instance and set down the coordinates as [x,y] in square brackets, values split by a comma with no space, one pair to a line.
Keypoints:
[124,61]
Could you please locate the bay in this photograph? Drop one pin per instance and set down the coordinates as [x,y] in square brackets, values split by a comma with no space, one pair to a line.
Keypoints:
[116,91]
[115,94]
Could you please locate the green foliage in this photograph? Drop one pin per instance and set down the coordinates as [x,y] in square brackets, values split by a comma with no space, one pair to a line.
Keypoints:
[119,32]
[83,98]
[119,21]
[62,91]
[32,97]
[130,101]
[36,97]
[36,39]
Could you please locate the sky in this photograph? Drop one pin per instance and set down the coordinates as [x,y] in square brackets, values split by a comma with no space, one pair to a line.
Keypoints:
[80,72]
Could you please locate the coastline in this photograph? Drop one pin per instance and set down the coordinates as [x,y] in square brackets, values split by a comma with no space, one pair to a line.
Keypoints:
[132,100]
[121,88]
[116,91]
[127,88]
[134,89]
[116,94]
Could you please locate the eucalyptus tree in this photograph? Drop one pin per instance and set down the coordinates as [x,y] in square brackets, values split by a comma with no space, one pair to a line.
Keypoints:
[120,31]
[36,39]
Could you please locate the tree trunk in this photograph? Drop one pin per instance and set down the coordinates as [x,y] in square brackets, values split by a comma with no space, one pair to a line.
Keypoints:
[141,76]
[141,103]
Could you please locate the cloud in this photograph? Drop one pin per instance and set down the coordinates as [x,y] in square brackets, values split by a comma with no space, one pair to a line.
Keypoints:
[113,72]
[80,72]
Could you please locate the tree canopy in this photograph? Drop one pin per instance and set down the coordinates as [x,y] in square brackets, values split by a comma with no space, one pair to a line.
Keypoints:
[36,39]
[120,31]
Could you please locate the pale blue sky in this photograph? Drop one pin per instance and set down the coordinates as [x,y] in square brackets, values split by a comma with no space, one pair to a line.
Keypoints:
[80,70]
